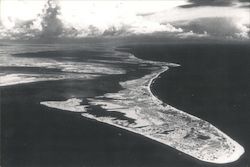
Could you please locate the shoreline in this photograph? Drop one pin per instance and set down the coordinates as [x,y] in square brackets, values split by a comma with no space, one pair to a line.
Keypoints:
[241,150]
[236,155]
[150,121]
[138,92]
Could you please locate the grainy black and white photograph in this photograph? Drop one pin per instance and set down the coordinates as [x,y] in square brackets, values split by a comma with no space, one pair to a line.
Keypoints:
[125,83]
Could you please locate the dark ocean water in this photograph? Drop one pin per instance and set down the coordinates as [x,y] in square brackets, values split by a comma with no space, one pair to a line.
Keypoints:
[213,83]
[210,81]
[33,135]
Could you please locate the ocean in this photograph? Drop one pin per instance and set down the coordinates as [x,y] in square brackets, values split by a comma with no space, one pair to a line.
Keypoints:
[37,128]
[212,83]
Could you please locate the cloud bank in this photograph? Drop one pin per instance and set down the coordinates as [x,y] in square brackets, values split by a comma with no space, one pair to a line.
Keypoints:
[80,19]
[51,23]
[216,26]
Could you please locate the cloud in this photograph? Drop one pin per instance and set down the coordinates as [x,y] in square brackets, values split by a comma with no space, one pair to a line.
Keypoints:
[64,19]
[145,14]
[198,3]
[51,25]
[216,27]
[244,3]
[215,3]
[55,22]
[45,25]
[191,34]
[248,1]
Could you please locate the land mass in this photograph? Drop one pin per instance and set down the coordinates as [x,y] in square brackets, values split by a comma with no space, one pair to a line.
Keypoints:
[148,116]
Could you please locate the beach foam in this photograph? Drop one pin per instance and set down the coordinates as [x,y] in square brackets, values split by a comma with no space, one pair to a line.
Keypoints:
[13,79]
[66,68]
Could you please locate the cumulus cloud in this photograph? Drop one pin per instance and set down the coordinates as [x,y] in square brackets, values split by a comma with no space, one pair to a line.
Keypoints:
[55,22]
[45,25]
[216,26]
[51,25]
[191,34]
[79,19]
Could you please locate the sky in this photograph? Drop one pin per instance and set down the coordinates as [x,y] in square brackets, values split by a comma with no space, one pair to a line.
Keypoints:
[182,19]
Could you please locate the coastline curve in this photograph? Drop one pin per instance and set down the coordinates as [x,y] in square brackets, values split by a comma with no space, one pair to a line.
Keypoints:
[159,121]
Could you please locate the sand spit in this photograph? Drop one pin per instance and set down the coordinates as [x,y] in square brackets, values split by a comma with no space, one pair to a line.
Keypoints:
[73,104]
[166,124]
[157,120]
